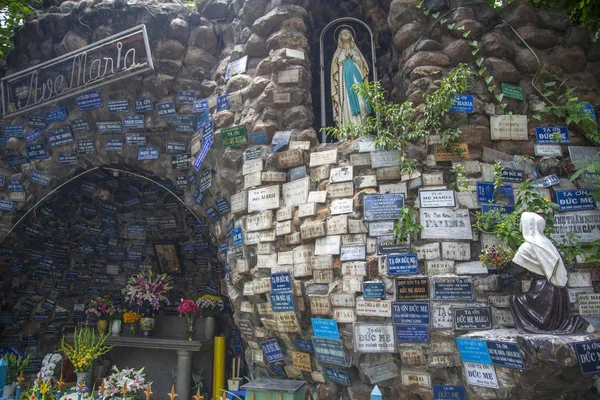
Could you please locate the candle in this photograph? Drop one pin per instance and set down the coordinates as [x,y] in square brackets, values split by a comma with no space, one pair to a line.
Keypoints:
[237,375]
[20,380]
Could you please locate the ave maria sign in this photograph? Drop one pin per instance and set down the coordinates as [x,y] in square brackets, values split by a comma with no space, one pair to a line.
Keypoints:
[117,57]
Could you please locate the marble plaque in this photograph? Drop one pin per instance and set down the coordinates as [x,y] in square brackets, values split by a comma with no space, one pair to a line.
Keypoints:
[433,179]
[323,158]
[412,357]
[294,238]
[272,176]
[508,127]
[320,305]
[502,318]
[416,378]
[354,240]
[374,338]
[345,300]
[285,258]
[337,225]
[312,230]
[365,181]
[344,315]
[547,150]
[458,251]
[290,159]
[341,174]
[383,372]
[320,173]
[388,173]
[317,197]
[283,228]
[307,210]
[299,145]
[284,213]
[321,262]
[399,187]
[439,267]
[337,190]
[328,245]
[381,159]
[452,288]
[481,375]
[429,251]
[266,261]
[436,198]
[263,199]
[360,160]
[585,224]
[579,279]
[291,53]
[302,270]
[499,301]
[281,98]
[342,206]
[588,304]
[265,248]
[252,166]
[457,151]
[259,222]
[445,223]
[373,308]
[303,254]
[356,268]
[267,236]
[286,322]
[471,268]
[296,192]
[252,180]
[239,202]
[356,226]
[289,76]
[381,228]
[353,284]
[353,253]
[323,276]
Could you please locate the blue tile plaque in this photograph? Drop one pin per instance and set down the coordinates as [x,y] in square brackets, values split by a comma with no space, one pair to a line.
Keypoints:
[473,350]
[453,289]
[258,137]
[89,100]
[36,152]
[86,146]
[40,178]
[200,105]
[412,334]
[202,119]
[202,153]
[19,160]
[513,175]
[134,122]
[33,135]
[305,345]
[337,375]
[297,173]
[65,159]
[382,207]
[59,137]
[13,130]
[208,130]
[56,115]
[199,197]
[142,105]
[237,235]
[223,205]
[281,302]
[486,193]
[6,205]
[402,264]
[117,106]
[109,127]
[574,200]
[80,125]
[212,214]
[36,121]
[175,147]
[486,208]
[223,102]
[186,96]
[587,108]
[205,180]
[552,134]
[410,313]
[280,282]
[325,328]
[587,356]
[374,290]
[329,351]
[114,145]
[272,351]
[444,392]
[135,139]
[148,153]
[183,123]
[506,354]
[546,181]
[166,109]
[463,103]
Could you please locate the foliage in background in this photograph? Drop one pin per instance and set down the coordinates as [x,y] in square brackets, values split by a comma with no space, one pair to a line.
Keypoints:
[85,349]
[394,126]
[496,256]
[12,15]
[462,183]
[406,227]
[15,366]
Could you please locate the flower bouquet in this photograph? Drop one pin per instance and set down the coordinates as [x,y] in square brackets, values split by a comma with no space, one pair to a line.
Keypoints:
[189,309]
[147,290]
[135,380]
[131,317]
[210,306]
[85,349]
[100,307]
[496,257]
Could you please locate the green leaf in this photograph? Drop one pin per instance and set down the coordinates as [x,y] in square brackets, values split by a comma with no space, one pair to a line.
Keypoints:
[499,97]
[482,70]
[437,14]
[466,34]
[489,79]
[537,117]
[548,84]
[503,105]
[475,51]
[479,61]
[461,28]
[419,4]
[473,43]
[491,88]
[427,11]
[549,93]
[451,26]
[443,21]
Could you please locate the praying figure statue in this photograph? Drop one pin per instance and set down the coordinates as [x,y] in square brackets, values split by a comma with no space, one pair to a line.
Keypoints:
[545,308]
[348,67]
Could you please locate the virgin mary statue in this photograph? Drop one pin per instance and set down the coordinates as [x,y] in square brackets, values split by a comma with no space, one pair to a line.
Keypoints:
[545,307]
[347,68]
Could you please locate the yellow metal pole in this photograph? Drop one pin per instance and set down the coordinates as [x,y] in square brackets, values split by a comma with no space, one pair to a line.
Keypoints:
[218,368]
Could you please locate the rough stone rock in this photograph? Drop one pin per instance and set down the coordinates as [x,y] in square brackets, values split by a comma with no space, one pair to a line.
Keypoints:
[577,36]
[256,46]
[425,71]
[179,30]
[526,61]
[299,117]
[71,41]
[594,69]
[476,136]
[593,53]
[555,19]
[540,38]
[286,39]
[295,24]
[170,49]
[458,51]
[252,10]
[403,12]
[519,13]
[204,38]
[407,36]
[569,59]
[501,70]
[470,25]
[103,31]
[224,118]
[429,45]
[214,10]
[497,45]
[426,58]
[56,25]
[199,58]
[271,21]
[462,13]
[237,82]
[194,18]
[239,51]
[437,5]
[583,81]
[169,67]
[68,6]
[483,13]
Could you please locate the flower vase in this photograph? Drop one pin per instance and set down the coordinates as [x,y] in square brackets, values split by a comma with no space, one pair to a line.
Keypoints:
[82,377]
[116,327]
[9,390]
[190,330]
[132,329]
[147,322]
[102,326]
[209,328]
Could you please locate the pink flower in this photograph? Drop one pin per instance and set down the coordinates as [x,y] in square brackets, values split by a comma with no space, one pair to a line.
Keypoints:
[187,306]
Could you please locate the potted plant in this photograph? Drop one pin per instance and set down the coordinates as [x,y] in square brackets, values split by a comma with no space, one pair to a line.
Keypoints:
[210,306]
[147,291]
[103,309]
[189,309]
[135,380]
[496,257]
[16,365]
[85,349]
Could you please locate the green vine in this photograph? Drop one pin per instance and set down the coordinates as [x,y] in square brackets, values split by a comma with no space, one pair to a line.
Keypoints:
[406,227]
[462,183]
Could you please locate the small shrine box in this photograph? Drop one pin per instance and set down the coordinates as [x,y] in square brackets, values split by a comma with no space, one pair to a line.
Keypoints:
[275,389]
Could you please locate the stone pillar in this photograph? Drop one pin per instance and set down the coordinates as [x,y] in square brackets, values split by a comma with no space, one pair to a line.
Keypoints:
[184,374]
